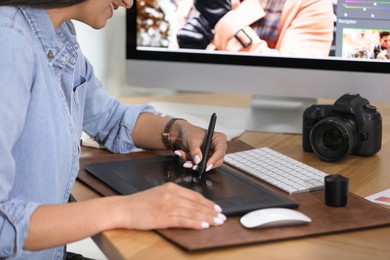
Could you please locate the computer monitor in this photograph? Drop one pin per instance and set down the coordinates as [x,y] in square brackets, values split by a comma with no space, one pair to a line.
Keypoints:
[329,48]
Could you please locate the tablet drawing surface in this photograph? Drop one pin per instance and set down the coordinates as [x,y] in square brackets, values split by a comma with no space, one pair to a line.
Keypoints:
[234,192]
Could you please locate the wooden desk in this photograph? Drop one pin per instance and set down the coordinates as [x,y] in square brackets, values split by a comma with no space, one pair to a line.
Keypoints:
[367,176]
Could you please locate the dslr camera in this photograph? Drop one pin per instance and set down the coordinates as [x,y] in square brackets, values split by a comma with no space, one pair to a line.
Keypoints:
[350,126]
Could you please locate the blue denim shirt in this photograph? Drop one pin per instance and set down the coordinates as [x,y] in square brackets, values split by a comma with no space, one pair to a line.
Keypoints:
[48,94]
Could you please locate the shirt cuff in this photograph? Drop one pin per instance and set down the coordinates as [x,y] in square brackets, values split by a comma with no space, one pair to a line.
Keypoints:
[14,224]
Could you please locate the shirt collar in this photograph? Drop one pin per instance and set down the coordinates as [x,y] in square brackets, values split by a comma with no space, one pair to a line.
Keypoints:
[59,45]
[42,26]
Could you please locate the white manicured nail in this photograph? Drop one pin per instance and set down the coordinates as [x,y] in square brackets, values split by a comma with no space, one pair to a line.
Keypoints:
[218,221]
[222,217]
[217,208]
[188,165]
[204,225]
[196,159]
[209,167]
[195,167]
[178,153]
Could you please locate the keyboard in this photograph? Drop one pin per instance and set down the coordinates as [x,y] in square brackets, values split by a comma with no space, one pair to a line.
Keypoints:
[278,170]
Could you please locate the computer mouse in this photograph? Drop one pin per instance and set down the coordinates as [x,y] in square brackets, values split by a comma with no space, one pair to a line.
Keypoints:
[272,217]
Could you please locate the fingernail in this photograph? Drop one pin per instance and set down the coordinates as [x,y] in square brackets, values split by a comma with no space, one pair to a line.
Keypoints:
[218,221]
[209,167]
[187,165]
[217,208]
[195,167]
[204,225]
[196,159]
[222,217]
[178,153]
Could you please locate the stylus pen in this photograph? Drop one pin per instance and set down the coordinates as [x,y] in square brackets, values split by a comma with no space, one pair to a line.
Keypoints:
[207,144]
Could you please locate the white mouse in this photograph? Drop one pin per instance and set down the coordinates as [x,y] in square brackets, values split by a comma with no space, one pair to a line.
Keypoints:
[273,217]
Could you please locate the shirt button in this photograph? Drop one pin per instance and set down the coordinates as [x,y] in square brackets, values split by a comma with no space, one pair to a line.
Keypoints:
[50,55]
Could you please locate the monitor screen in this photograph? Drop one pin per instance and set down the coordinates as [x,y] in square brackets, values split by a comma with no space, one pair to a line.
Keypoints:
[290,48]
[354,33]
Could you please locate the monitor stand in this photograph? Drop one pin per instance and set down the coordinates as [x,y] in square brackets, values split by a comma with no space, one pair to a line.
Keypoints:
[277,114]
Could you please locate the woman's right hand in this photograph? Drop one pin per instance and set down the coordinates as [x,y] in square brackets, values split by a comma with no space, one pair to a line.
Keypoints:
[168,206]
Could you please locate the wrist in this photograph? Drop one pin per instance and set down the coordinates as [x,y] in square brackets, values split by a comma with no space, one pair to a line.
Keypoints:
[111,213]
[171,134]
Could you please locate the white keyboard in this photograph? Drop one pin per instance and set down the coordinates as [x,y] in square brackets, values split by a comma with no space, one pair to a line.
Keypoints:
[278,170]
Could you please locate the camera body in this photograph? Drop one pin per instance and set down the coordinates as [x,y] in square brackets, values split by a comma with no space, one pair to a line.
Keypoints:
[350,126]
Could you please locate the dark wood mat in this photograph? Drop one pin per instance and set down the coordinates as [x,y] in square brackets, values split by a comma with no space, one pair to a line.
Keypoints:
[358,214]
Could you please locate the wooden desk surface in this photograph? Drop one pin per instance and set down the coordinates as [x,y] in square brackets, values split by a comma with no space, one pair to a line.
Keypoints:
[367,175]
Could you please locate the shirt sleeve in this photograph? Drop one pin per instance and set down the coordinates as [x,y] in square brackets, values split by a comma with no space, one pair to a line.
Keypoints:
[308,29]
[16,77]
[108,120]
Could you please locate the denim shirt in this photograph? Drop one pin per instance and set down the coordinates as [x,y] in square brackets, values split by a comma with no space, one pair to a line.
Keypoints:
[48,95]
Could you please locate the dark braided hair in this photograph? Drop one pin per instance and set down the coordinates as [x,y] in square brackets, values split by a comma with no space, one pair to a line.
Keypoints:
[41,3]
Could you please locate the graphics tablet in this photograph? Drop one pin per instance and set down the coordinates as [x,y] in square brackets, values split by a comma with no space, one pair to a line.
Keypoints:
[234,192]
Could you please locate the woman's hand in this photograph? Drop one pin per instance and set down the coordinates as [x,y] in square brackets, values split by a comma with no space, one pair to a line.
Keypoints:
[168,206]
[187,139]
[189,144]
[165,206]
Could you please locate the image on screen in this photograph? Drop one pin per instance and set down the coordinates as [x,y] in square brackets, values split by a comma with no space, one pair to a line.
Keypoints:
[322,29]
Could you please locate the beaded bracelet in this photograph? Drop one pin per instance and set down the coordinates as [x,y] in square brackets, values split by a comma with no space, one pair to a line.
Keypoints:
[166,137]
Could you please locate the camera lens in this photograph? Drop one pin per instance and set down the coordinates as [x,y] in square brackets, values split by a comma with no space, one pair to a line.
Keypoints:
[333,138]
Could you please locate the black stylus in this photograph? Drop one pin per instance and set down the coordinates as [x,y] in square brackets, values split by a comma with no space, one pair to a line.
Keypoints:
[207,144]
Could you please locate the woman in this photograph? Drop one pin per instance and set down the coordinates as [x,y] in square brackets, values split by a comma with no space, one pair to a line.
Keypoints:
[48,95]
